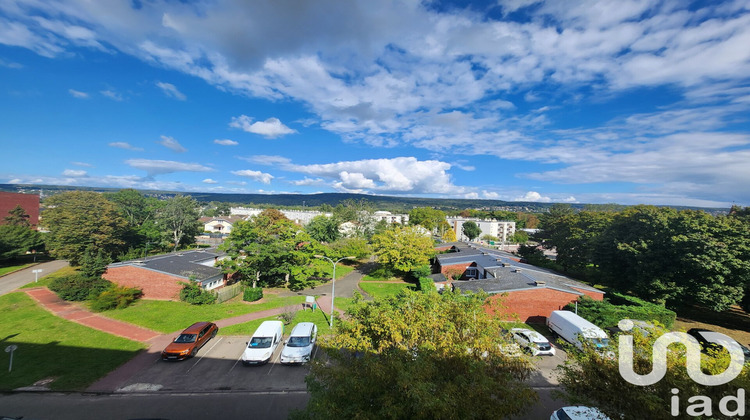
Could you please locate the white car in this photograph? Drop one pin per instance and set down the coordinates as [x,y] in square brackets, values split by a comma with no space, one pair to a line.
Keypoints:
[299,346]
[263,343]
[578,412]
[533,342]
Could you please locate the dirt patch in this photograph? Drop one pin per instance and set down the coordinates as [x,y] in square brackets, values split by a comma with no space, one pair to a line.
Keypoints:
[734,322]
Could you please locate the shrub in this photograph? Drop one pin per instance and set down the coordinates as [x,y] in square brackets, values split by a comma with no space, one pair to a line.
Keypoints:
[251,294]
[288,314]
[78,287]
[194,294]
[116,298]
[426,284]
[418,272]
[609,312]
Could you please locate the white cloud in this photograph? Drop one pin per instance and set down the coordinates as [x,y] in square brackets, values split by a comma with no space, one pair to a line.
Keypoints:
[226,142]
[534,197]
[209,181]
[267,160]
[308,182]
[158,167]
[401,175]
[125,145]
[255,175]
[171,143]
[84,164]
[491,195]
[73,172]
[270,128]
[78,94]
[171,91]
[111,94]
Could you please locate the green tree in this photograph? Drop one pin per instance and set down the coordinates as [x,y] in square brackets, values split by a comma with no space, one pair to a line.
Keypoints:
[17,217]
[17,240]
[323,229]
[427,217]
[345,247]
[94,262]
[140,212]
[403,248]
[270,249]
[471,230]
[520,237]
[409,356]
[79,219]
[178,220]
[357,212]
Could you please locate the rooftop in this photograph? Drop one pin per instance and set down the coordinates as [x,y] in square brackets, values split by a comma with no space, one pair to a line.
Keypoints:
[198,263]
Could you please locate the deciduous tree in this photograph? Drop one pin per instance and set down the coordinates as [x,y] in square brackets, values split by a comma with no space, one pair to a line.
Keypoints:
[471,230]
[418,356]
[178,220]
[79,219]
[403,248]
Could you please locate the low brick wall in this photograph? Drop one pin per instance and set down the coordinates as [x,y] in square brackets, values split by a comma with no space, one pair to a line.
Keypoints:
[156,286]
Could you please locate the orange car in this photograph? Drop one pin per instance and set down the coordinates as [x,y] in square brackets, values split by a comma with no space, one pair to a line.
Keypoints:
[190,341]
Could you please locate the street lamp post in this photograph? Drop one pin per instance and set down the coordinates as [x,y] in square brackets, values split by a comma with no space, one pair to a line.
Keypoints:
[333,281]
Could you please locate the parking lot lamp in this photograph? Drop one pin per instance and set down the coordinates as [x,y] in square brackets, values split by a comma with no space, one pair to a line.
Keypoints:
[333,280]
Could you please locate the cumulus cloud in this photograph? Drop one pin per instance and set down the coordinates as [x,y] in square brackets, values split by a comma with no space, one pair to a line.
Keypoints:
[534,197]
[209,181]
[159,167]
[270,128]
[255,175]
[171,91]
[400,175]
[125,145]
[226,142]
[78,94]
[171,143]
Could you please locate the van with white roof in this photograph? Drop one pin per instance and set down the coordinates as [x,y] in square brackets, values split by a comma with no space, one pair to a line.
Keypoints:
[576,330]
[263,343]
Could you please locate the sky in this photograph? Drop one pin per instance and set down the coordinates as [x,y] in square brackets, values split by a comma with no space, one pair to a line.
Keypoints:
[625,101]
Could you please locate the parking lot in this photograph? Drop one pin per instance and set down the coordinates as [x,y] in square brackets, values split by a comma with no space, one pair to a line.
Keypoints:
[217,367]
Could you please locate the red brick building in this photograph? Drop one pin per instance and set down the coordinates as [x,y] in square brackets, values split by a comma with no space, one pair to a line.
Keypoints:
[28,202]
[525,291]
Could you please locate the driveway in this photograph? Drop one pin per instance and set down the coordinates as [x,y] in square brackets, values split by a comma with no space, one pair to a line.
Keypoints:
[13,281]
[217,367]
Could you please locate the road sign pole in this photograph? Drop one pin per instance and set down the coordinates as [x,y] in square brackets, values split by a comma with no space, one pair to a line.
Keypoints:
[10,349]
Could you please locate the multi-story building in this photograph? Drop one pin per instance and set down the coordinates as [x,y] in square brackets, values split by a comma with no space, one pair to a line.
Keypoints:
[500,229]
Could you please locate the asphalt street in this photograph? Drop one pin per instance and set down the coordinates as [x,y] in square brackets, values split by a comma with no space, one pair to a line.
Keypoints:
[13,281]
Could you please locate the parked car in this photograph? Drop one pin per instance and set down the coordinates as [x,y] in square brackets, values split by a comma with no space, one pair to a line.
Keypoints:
[298,348]
[190,341]
[533,342]
[263,343]
[707,344]
[576,330]
[578,412]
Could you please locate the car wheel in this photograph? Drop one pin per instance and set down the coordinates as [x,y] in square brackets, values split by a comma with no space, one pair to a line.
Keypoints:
[214,333]
[194,352]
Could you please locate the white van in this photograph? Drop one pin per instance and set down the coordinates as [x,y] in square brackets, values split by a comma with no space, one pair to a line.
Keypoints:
[299,346]
[575,330]
[263,343]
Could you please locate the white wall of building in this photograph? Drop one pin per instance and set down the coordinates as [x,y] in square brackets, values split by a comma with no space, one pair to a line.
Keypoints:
[500,229]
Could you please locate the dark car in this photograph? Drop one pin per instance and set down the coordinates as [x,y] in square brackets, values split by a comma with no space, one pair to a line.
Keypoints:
[190,341]
[706,344]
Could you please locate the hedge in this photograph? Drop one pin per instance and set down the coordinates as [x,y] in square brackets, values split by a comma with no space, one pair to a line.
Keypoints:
[426,284]
[78,287]
[193,294]
[117,298]
[609,312]
[251,294]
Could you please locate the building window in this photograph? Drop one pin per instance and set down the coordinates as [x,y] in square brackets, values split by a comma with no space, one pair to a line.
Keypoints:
[472,272]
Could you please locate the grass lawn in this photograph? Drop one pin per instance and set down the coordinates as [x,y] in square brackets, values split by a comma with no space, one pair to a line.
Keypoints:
[168,316]
[12,268]
[384,289]
[248,328]
[46,280]
[51,347]
[327,268]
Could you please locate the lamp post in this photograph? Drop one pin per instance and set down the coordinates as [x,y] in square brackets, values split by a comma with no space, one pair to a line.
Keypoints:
[333,280]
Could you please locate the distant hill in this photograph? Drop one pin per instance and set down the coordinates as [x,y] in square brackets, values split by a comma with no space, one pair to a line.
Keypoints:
[379,202]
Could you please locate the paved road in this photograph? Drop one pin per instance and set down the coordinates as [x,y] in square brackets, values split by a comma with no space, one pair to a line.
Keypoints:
[15,280]
[173,406]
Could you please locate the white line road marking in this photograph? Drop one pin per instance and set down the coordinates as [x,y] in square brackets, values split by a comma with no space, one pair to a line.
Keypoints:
[204,355]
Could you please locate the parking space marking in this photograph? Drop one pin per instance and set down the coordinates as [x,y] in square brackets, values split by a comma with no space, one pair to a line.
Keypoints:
[278,358]
[204,354]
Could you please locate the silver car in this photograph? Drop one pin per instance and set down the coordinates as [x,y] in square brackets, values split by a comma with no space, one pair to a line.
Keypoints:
[298,348]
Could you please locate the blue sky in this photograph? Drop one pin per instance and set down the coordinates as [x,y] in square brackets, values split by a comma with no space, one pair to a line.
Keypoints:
[587,101]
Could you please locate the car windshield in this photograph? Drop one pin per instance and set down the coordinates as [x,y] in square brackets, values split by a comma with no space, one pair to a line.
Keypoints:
[298,342]
[260,343]
[185,338]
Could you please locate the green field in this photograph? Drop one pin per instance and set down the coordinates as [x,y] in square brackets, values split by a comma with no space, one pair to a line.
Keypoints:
[168,316]
[384,289]
[72,355]
[46,280]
